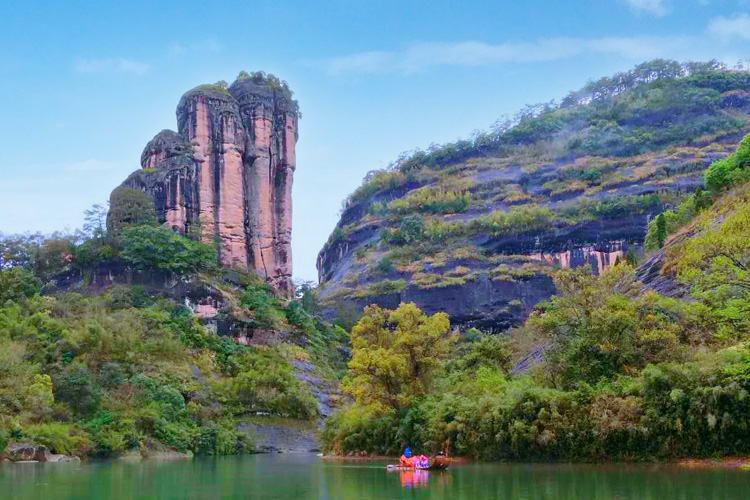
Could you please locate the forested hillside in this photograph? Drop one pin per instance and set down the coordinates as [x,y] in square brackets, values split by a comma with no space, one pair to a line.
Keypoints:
[109,344]
[478,227]
[606,369]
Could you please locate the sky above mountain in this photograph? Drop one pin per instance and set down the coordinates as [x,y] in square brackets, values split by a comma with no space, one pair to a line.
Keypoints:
[84,86]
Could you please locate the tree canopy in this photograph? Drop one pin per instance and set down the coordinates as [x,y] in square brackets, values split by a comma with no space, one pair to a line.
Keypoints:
[396,354]
[159,248]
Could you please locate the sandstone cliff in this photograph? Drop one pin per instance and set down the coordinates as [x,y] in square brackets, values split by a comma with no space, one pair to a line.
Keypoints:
[226,174]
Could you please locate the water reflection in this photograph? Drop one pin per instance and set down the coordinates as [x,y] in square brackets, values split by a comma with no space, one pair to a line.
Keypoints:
[308,477]
[414,478]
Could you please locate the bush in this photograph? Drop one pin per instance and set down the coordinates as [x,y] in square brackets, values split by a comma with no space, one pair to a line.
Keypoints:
[16,284]
[60,438]
[385,266]
[411,228]
[75,388]
[260,300]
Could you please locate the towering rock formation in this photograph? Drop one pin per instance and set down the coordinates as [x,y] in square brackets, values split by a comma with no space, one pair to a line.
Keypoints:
[226,174]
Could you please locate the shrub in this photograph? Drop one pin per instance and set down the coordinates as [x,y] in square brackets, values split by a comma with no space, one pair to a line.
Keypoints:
[411,228]
[260,300]
[385,266]
[75,388]
[60,438]
[16,284]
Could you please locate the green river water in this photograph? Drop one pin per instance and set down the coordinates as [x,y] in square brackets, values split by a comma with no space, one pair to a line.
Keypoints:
[309,477]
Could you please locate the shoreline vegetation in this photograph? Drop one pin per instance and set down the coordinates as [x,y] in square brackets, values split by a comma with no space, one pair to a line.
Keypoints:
[128,368]
[625,374]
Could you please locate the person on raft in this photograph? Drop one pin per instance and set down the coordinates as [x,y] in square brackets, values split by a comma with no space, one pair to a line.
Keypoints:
[406,460]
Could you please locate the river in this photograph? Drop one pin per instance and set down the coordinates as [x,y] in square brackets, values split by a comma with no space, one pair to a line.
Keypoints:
[309,477]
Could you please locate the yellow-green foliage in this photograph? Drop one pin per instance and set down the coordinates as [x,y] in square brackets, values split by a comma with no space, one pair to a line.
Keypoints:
[455,277]
[396,355]
[436,229]
[517,219]
[97,375]
[350,279]
[381,181]
[715,262]
[384,287]
[440,199]
[503,272]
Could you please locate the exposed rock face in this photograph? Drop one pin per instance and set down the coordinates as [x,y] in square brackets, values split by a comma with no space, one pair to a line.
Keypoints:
[226,174]
[478,228]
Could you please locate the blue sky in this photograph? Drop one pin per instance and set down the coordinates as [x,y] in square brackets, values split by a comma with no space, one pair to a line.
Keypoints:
[84,85]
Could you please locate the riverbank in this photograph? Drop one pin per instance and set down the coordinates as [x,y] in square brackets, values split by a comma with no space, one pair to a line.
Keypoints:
[740,462]
[736,463]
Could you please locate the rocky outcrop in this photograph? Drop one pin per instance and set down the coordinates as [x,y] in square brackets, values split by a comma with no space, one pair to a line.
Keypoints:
[226,174]
[477,229]
[24,452]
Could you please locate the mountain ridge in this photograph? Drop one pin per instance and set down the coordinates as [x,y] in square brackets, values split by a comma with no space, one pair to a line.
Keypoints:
[474,227]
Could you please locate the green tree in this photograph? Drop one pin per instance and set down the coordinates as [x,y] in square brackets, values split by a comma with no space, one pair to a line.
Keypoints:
[18,250]
[260,300]
[95,221]
[661,229]
[489,350]
[385,266]
[716,264]
[76,388]
[411,228]
[395,355]
[596,326]
[52,257]
[719,175]
[306,294]
[129,206]
[702,199]
[161,249]
[630,258]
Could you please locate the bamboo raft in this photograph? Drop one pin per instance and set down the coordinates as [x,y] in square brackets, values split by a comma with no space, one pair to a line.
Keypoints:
[438,463]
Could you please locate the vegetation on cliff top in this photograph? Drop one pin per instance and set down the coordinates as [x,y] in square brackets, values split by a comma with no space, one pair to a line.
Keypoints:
[260,78]
[623,147]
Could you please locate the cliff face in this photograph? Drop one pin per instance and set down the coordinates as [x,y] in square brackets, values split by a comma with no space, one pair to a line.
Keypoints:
[477,228]
[226,174]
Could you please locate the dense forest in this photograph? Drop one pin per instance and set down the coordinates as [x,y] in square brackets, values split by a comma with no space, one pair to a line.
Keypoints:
[621,372]
[103,371]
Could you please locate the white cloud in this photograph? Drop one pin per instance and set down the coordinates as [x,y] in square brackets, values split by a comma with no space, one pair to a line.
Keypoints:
[114,65]
[422,56]
[207,45]
[726,28]
[655,7]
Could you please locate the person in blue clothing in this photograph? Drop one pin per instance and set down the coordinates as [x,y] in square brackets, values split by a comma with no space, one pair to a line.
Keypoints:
[405,459]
